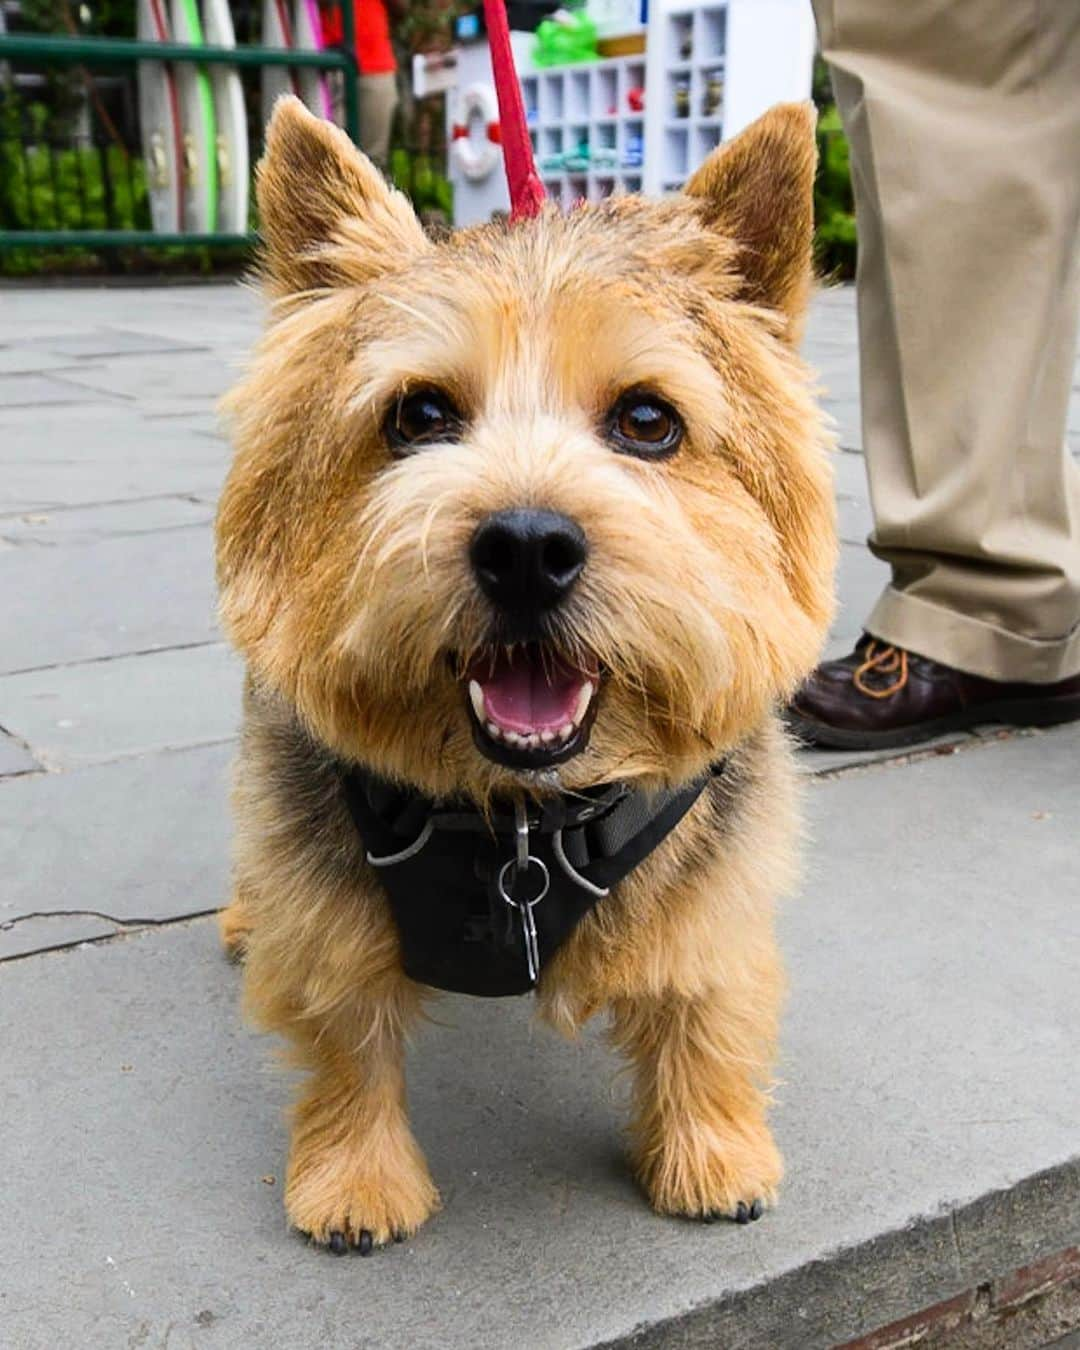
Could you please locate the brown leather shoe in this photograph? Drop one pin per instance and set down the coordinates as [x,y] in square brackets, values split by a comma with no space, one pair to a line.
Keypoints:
[881,696]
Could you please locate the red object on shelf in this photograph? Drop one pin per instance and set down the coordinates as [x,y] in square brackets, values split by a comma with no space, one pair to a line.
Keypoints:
[636,99]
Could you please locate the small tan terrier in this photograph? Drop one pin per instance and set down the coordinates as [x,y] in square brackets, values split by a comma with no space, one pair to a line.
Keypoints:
[528,535]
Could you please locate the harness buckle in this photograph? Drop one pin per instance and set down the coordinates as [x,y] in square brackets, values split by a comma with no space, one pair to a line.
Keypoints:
[521,834]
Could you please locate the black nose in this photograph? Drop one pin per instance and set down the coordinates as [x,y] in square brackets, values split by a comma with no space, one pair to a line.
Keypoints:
[526,561]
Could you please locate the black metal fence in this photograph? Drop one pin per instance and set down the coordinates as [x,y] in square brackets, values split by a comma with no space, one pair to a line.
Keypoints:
[88,189]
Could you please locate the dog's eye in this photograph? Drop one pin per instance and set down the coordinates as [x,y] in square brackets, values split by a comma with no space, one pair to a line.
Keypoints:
[644,425]
[421,418]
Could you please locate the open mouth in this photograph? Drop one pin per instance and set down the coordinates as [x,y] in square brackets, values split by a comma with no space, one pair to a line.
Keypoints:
[530,708]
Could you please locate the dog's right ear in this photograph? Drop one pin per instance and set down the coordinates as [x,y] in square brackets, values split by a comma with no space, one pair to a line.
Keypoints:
[327,216]
[758,191]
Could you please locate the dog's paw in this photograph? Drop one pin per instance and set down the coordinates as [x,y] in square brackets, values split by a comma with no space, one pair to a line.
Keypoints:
[733,1176]
[341,1203]
[234,928]
[742,1213]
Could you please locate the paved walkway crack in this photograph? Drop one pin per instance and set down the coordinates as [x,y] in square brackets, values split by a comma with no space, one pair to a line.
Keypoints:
[21,741]
[8,924]
[115,656]
[124,928]
[973,741]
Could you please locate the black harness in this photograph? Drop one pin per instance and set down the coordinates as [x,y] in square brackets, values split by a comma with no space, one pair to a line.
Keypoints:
[482,902]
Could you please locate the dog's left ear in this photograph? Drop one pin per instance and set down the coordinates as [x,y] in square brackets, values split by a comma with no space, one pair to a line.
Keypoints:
[758,191]
[327,216]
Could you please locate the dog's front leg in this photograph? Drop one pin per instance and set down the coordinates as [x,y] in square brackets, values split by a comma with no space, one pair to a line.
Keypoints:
[356,1175]
[700,1143]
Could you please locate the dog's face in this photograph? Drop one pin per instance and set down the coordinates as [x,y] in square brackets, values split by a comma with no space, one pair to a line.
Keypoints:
[541,504]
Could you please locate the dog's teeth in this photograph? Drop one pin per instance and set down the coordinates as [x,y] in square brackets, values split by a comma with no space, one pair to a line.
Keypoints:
[547,737]
[493,730]
[512,738]
[533,741]
[566,731]
[584,699]
[476,694]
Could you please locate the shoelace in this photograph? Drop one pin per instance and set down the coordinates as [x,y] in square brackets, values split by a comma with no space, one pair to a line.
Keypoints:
[882,660]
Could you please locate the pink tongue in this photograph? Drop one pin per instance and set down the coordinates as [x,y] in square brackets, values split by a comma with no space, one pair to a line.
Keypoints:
[522,696]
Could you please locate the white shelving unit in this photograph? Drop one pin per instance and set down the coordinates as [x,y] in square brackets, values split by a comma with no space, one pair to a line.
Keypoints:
[588,138]
[712,68]
[709,69]
[687,70]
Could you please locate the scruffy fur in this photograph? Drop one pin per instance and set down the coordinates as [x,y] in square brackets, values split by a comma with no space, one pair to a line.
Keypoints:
[345,582]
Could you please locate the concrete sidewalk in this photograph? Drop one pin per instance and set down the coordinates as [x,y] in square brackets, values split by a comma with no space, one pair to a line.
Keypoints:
[930,1104]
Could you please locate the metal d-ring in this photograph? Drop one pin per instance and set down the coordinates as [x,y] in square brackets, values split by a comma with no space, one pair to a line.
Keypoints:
[545,881]
[389,859]
[559,849]
[525,908]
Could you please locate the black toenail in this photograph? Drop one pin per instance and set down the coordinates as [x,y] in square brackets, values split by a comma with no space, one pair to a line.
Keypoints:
[757,1209]
[338,1245]
[742,1213]
[710,1216]
[399,1236]
[365,1243]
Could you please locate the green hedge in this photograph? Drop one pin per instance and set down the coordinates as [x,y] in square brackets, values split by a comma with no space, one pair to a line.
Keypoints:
[42,188]
[834,206]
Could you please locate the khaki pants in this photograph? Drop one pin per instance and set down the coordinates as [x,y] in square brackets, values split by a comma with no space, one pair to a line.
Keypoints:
[964,123]
[378,99]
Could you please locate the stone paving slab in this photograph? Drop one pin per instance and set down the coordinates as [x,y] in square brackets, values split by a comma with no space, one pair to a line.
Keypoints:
[816,762]
[88,713]
[181,374]
[48,931]
[25,359]
[103,433]
[860,580]
[106,599]
[928,1126]
[838,381]
[829,347]
[847,421]
[854,517]
[106,342]
[46,391]
[90,524]
[190,411]
[93,455]
[14,757]
[141,839]
[824,762]
[136,478]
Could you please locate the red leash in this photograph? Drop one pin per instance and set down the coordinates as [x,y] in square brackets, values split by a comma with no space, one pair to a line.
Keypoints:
[526,190]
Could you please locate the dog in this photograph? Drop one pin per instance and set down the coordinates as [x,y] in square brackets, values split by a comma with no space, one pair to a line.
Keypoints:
[528,534]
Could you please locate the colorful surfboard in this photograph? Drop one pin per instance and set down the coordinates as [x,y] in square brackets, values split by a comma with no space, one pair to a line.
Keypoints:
[197,121]
[314,89]
[232,157]
[159,123]
[277,31]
